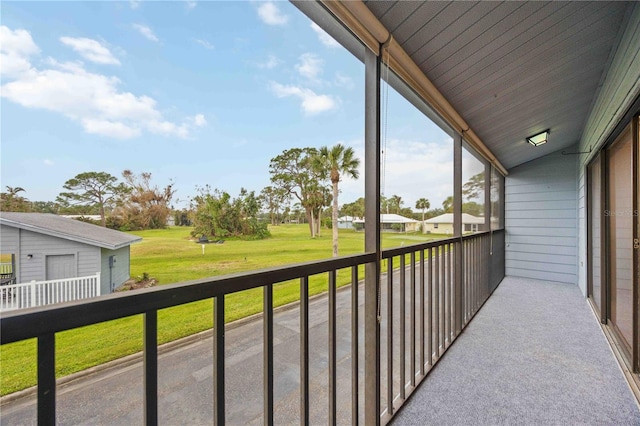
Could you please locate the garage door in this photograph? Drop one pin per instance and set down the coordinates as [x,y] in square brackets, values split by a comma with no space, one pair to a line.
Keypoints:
[61,266]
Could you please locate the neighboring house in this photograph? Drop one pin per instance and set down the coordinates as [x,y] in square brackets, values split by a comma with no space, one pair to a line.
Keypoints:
[443,224]
[391,223]
[95,217]
[346,222]
[48,247]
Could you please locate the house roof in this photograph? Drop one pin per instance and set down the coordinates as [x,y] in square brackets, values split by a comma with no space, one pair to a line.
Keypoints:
[448,218]
[68,229]
[390,218]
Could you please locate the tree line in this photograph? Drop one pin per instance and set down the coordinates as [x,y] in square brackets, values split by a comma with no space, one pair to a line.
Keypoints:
[308,177]
[131,204]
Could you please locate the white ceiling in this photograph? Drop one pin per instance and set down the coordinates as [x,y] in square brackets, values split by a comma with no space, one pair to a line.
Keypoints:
[511,69]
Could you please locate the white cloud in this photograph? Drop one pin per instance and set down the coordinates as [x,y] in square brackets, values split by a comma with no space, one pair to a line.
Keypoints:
[271,15]
[199,120]
[146,32]
[48,162]
[405,164]
[134,4]
[204,43]
[271,62]
[168,128]
[91,50]
[93,100]
[342,80]
[310,66]
[312,103]
[325,38]
[16,47]
[190,4]
[113,129]
[412,169]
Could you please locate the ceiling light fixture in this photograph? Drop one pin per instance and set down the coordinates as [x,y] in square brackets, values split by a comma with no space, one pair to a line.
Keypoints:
[539,139]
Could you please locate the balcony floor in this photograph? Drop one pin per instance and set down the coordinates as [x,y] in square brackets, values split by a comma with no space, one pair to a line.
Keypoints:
[534,354]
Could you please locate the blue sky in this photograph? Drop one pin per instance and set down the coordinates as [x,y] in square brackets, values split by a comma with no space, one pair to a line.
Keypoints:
[195,92]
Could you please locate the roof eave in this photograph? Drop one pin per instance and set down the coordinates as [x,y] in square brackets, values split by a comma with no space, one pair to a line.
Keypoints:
[64,236]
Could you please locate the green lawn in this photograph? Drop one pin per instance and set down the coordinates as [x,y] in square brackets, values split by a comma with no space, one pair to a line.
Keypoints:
[169,256]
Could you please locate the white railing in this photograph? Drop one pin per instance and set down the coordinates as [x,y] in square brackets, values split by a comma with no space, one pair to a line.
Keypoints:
[40,293]
[6,268]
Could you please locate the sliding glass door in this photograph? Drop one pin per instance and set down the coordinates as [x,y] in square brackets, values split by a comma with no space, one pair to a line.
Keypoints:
[619,220]
[614,239]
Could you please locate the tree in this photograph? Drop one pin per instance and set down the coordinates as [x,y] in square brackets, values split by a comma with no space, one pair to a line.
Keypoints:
[384,205]
[147,206]
[406,212]
[217,215]
[10,201]
[423,204]
[447,204]
[293,172]
[93,189]
[45,207]
[335,162]
[355,209]
[272,200]
[14,190]
[394,204]
[473,187]
[319,197]
[182,217]
[473,208]
[434,212]
[298,212]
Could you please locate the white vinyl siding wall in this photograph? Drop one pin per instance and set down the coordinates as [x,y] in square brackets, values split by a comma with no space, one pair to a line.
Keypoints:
[541,219]
[39,245]
[120,272]
[23,243]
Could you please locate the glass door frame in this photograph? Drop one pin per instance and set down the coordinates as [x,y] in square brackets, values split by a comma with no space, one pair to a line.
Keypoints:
[635,173]
[630,354]
[601,306]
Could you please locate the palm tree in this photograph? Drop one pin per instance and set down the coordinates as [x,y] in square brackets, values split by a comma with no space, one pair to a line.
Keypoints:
[11,201]
[335,161]
[395,202]
[447,204]
[13,190]
[423,204]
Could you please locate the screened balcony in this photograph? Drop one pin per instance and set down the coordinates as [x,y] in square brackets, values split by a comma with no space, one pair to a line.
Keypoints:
[534,319]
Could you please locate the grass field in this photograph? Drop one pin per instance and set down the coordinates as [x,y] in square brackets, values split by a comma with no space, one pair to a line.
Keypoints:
[169,256]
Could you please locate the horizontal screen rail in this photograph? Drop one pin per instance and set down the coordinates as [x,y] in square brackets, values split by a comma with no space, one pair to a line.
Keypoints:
[398,251]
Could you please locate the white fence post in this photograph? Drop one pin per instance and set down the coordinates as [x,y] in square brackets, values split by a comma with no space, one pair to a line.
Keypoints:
[97,284]
[32,300]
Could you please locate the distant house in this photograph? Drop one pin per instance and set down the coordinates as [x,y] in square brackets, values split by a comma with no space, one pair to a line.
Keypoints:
[49,247]
[95,217]
[443,224]
[391,223]
[346,222]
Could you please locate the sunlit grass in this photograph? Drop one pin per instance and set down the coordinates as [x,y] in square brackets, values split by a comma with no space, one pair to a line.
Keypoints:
[169,256]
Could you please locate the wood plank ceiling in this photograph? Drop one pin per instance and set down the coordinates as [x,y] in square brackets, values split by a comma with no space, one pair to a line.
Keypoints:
[511,69]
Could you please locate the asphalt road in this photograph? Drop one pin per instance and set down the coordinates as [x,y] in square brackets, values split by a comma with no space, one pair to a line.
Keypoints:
[185,389]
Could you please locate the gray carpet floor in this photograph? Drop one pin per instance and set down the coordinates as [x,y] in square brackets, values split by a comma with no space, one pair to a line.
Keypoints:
[533,355]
